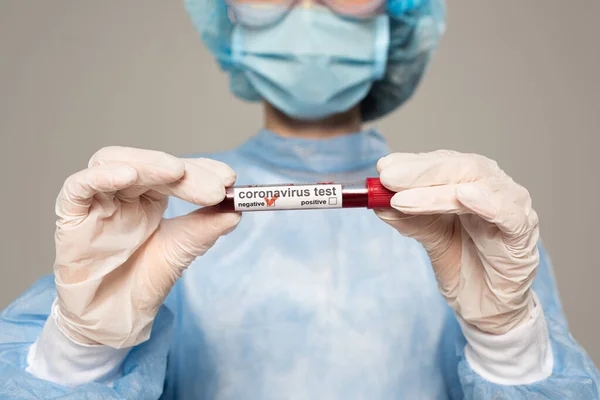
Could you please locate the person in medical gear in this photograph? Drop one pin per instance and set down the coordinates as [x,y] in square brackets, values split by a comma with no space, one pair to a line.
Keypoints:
[448,295]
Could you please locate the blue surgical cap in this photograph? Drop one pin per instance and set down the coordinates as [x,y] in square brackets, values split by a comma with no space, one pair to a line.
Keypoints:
[416,27]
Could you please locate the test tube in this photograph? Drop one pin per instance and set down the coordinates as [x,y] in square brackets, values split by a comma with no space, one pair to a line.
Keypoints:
[309,196]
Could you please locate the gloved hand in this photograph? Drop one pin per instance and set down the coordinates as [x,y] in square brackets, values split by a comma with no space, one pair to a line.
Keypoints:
[116,257]
[478,228]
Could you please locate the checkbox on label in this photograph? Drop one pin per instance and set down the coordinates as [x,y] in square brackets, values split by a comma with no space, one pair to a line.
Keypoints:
[333,201]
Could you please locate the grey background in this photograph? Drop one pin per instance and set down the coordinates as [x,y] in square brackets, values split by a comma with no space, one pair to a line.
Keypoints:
[517,83]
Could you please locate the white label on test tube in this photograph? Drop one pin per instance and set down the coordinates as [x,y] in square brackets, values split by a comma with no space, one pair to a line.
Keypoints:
[287,197]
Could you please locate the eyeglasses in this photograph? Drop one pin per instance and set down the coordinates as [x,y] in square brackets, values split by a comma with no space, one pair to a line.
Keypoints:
[265,12]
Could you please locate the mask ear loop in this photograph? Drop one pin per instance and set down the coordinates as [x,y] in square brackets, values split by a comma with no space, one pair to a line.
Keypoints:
[382,45]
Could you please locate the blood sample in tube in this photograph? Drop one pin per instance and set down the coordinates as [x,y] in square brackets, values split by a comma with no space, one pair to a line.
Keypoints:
[310,196]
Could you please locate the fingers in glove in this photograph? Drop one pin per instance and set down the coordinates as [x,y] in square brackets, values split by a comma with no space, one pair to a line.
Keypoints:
[222,170]
[78,190]
[191,235]
[181,239]
[429,201]
[499,201]
[400,171]
[153,167]
[133,192]
[197,185]
[204,182]
[439,236]
[200,181]
[407,225]
[432,231]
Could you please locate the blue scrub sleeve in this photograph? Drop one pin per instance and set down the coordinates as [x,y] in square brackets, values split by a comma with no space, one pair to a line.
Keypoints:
[574,375]
[21,324]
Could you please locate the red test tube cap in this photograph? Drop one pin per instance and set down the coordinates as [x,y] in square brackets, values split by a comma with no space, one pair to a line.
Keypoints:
[379,196]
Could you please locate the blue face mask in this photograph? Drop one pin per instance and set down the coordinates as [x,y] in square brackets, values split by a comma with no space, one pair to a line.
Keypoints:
[313,63]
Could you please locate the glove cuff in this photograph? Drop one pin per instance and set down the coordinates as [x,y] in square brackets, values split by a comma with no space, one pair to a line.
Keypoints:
[521,356]
[57,358]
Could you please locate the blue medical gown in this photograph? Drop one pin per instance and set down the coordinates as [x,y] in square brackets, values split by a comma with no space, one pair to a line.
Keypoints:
[328,304]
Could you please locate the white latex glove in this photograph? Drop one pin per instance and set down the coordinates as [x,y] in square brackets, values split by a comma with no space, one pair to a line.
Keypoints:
[116,257]
[478,228]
